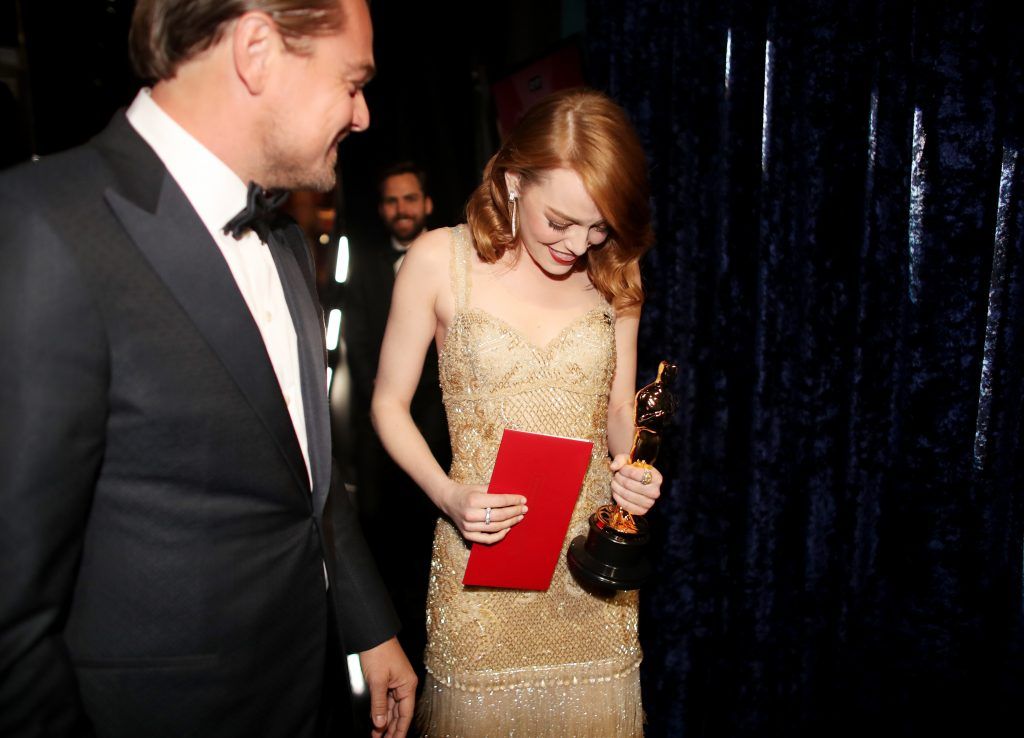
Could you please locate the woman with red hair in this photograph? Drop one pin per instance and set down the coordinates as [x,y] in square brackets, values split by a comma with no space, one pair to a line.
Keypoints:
[534,305]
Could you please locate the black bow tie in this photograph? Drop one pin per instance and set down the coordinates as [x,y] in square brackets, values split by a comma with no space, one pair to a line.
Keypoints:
[258,213]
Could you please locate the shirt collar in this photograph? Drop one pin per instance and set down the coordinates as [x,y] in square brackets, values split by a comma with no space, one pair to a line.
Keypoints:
[214,190]
[398,246]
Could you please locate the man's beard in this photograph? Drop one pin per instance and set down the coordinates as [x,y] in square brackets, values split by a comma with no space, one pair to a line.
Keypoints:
[284,173]
[415,230]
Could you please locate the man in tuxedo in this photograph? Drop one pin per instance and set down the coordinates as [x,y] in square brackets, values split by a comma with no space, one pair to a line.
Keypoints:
[391,507]
[174,559]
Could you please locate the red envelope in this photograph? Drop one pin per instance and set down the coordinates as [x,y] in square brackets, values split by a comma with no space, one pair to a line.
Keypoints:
[548,471]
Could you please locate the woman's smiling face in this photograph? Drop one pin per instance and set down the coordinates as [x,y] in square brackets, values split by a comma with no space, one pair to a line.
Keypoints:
[558,221]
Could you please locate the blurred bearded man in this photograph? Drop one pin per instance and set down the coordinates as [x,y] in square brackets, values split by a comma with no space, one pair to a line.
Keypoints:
[391,505]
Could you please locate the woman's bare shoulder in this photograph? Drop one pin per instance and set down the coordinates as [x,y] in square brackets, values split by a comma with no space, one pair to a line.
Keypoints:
[432,246]
[428,257]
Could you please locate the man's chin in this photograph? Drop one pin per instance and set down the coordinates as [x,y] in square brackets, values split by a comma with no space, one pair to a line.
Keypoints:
[325,184]
[406,237]
[328,178]
[405,234]
[323,181]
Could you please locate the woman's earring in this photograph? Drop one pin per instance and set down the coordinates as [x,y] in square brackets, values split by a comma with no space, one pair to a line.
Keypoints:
[513,213]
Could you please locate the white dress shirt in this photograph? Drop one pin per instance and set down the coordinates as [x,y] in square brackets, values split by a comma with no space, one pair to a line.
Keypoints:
[217,195]
[400,251]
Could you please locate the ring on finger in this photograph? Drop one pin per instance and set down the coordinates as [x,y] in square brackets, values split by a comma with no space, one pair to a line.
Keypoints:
[647,477]
[487,516]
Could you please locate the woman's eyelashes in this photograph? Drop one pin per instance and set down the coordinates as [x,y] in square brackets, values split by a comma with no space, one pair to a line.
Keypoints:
[596,234]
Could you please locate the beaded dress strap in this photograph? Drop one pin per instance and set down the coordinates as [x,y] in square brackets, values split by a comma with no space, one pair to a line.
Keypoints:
[460,265]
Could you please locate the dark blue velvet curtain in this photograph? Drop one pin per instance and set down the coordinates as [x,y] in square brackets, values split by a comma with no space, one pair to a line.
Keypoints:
[839,271]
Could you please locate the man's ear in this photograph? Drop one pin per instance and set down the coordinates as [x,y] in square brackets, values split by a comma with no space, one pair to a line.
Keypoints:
[512,181]
[255,45]
[428,205]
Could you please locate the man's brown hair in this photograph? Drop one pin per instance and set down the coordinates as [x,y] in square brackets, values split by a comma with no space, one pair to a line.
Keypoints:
[166,33]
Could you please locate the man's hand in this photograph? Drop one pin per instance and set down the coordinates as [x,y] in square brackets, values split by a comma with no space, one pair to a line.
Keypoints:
[392,684]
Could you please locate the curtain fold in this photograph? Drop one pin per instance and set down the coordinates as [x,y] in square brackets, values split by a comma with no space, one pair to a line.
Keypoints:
[838,271]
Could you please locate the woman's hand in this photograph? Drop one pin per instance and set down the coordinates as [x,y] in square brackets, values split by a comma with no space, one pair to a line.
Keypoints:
[481,517]
[628,488]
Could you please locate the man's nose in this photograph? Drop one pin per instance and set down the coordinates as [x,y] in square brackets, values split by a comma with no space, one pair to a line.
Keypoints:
[360,113]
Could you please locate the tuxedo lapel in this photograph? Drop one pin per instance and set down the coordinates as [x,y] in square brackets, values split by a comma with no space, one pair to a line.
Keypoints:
[286,247]
[386,278]
[159,219]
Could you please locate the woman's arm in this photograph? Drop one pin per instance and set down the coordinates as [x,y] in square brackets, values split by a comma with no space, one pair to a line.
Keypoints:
[620,401]
[418,314]
[628,487]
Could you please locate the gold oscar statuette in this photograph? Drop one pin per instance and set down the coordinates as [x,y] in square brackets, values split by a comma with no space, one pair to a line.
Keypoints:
[613,554]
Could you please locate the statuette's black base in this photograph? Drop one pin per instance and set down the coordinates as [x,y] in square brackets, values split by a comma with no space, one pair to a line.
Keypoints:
[609,559]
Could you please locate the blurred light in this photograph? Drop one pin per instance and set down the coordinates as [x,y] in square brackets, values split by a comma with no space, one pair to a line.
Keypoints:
[766,108]
[324,238]
[341,268]
[333,329]
[728,61]
[355,675]
[918,195]
[330,376]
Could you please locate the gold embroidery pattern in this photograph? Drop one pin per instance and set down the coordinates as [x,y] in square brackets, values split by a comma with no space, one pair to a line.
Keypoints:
[505,662]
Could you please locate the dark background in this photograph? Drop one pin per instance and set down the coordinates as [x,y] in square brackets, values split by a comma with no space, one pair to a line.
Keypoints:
[839,272]
[429,102]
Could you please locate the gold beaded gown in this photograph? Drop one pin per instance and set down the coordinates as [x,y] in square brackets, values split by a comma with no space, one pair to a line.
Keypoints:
[564,662]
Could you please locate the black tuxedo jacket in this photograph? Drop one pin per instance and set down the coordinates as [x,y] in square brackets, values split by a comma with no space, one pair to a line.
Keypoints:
[162,556]
[367,302]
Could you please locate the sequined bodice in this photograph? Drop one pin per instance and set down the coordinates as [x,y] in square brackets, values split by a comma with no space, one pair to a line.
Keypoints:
[493,378]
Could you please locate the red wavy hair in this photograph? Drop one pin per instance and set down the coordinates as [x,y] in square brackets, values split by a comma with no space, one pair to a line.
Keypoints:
[585,131]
